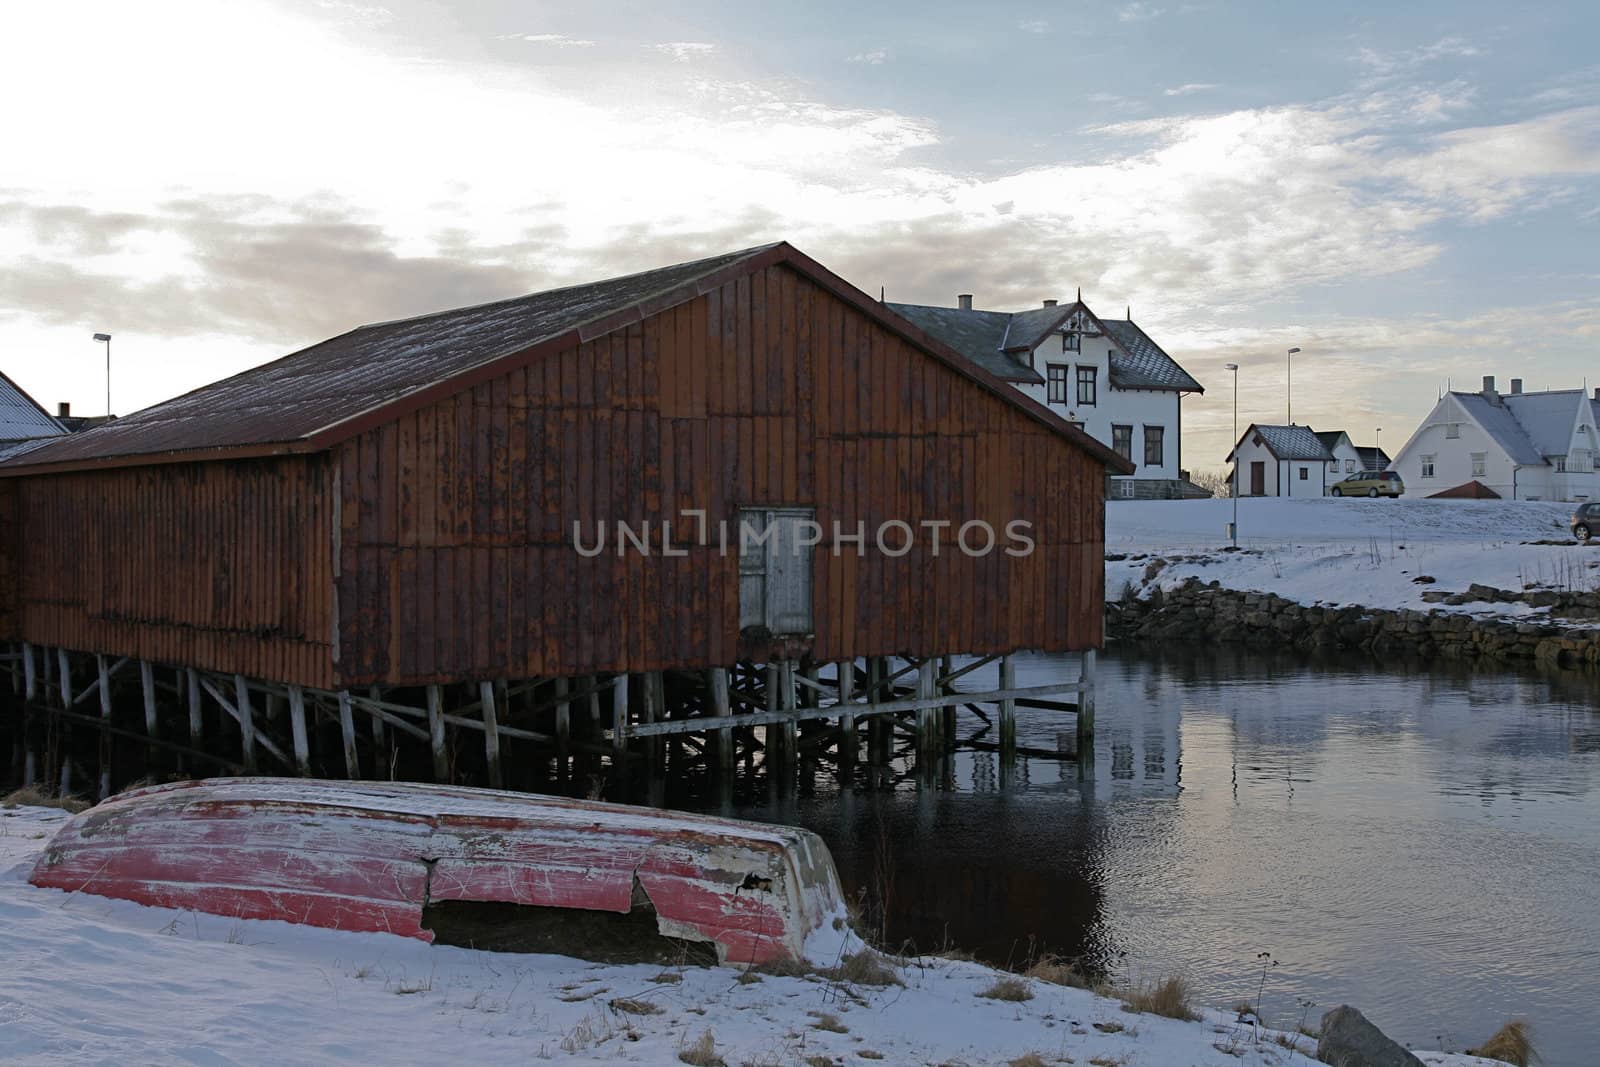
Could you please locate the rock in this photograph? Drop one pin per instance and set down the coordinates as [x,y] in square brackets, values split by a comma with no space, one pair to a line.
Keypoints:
[1424,579]
[1349,1040]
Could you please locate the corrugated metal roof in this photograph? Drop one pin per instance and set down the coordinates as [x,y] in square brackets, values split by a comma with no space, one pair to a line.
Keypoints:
[1293,442]
[21,417]
[1144,365]
[1548,418]
[1498,422]
[292,398]
[978,335]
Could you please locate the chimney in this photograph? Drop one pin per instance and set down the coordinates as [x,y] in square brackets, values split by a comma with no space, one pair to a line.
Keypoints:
[1488,386]
[1516,386]
[1049,303]
[1597,393]
[64,410]
[964,301]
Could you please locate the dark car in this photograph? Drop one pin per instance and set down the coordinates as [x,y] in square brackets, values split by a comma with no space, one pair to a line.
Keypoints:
[1585,520]
[1369,483]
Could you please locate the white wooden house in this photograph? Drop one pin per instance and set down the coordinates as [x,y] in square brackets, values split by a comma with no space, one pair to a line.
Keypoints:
[1281,461]
[23,423]
[1106,375]
[1521,446]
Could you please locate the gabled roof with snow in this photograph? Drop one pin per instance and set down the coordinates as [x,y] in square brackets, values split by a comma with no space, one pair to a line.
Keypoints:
[21,417]
[990,338]
[1502,427]
[1548,418]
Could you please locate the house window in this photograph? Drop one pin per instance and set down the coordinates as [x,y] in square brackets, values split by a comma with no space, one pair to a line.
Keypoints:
[1452,430]
[1303,471]
[1154,439]
[1427,466]
[1478,459]
[1086,386]
[1125,488]
[1581,461]
[1057,375]
[1069,341]
[1122,441]
[1349,466]
[775,570]
[1561,464]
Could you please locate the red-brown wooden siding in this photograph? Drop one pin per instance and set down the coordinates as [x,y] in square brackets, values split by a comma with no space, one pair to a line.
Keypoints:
[221,565]
[456,556]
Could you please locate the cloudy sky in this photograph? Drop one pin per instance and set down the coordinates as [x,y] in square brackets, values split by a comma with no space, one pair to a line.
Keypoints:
[1407,192]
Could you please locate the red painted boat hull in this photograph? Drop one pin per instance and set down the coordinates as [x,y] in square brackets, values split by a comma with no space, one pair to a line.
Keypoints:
[370,856]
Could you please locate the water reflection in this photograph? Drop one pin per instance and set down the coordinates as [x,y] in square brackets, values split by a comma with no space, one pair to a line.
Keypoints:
[1421,841]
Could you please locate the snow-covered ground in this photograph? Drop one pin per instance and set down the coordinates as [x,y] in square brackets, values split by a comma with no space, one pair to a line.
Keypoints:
[1365,552]
[88,980]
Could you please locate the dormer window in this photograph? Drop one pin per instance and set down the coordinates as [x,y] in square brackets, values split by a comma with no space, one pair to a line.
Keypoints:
[1069,341]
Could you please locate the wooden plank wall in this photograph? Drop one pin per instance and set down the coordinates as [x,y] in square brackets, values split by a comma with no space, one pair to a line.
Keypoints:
[223,565]
[457,558]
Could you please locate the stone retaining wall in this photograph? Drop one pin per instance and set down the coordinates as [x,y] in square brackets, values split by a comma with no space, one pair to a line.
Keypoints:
[1195,611]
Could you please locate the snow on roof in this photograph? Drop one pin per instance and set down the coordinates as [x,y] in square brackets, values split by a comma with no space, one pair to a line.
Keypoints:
[1548,418]
[21,417]
[1498,422]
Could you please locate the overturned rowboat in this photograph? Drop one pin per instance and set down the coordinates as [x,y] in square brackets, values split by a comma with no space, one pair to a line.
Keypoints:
[373,857]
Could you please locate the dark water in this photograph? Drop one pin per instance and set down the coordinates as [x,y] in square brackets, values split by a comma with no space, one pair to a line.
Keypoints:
[1423,843]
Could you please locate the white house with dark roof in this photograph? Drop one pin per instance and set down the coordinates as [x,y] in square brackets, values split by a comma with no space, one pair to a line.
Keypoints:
[1105,375]
[23,423]
[1521,446]
[1282,461]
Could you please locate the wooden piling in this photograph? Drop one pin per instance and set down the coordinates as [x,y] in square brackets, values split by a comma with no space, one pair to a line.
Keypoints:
[297,727]
[192,685]
[1008,712]
[441,759]
[849,742]
[927,718]
[64,677]
[380,739]
[347,733]
[247,721]
[147,686]
[30,681]
[564,720]
[1086,677]
[491,734]
[619,721]
[651,710]
[722,708]
[104,681]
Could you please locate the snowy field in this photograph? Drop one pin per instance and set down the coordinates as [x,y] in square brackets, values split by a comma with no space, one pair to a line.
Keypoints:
[1365,552]
[91,981]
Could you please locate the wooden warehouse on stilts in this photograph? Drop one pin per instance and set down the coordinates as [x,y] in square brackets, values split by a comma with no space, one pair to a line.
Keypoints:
[726,502]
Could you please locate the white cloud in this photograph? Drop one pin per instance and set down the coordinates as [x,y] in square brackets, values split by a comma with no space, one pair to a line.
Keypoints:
[1397,61]
[561,40]
[874,58]
[1190,89]
[1138,11]
[685,51]
[1034,26]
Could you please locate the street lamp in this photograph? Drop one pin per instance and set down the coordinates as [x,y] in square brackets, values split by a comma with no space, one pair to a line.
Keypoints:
[1377,449]
[1233,527]
[106,337]
[1289,386]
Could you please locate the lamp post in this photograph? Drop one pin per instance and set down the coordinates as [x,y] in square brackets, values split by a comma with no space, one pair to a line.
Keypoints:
[106,337]
[1377,449]
[1289,386]
[1233,527]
